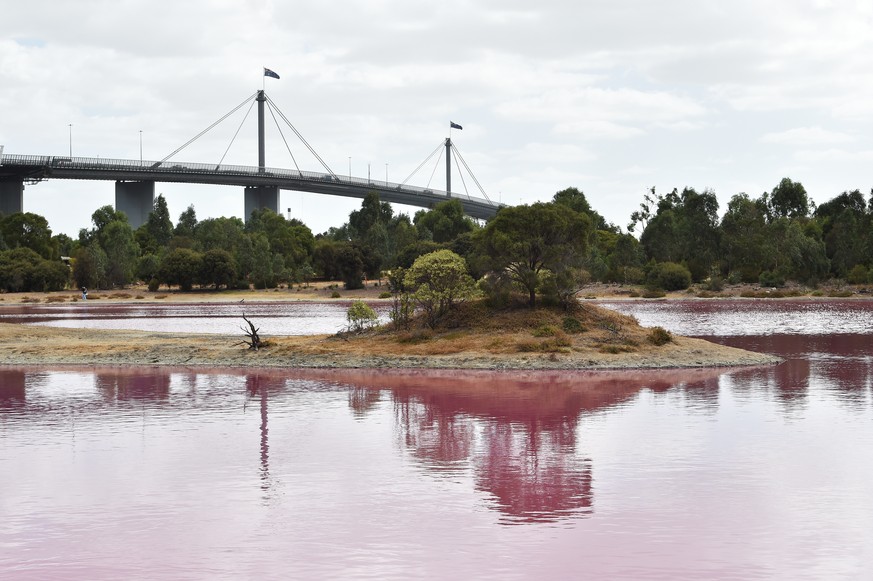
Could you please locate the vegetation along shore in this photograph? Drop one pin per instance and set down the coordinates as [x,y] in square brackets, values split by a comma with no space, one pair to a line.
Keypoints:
[448,277]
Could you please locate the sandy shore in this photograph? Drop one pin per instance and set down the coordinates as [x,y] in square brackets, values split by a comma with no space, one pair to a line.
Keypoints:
[33,345]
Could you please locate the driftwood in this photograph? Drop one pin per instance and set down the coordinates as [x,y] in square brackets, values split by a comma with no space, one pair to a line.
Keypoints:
[254,340]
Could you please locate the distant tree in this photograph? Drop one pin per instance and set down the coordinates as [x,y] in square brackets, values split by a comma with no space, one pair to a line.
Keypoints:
[744,237]
[524,240]
[575,199]
[121,250]
[155,234]
[27,230]
[350,265]
[187,224]
[789,200]
[89,266]
[445,221]
[23,270]
[181,267]
[217,268]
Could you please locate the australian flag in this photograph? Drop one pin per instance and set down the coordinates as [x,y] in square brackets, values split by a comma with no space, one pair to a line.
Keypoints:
[454,125]
[269,73]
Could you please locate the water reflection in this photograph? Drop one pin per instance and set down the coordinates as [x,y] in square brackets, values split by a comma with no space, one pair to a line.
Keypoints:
[259,385]
[515,432]
[136,384]
[12,388]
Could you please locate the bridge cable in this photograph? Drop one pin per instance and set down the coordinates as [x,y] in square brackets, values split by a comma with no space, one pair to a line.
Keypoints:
[415,171]
[276,121]
[436,165]
[232,139]
[460,173]
[472,175]
[202,133]
[301,138]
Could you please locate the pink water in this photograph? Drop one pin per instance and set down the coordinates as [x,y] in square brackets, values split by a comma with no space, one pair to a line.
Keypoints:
[217,474]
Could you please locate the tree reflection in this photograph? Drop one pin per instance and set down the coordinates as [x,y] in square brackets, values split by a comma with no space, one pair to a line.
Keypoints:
[259,385]
[12,388]
[137,384]
[515,432]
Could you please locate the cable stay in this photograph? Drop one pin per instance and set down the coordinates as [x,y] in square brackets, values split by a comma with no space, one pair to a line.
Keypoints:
[301,138]
[276,121]
[232,139]
[415,171]
[435,166]
[459,163]
[205,131]
[472,175]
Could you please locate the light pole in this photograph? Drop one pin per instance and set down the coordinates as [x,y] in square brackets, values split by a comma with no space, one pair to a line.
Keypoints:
[386,173]
[350,168]
[71,140]
[140,145]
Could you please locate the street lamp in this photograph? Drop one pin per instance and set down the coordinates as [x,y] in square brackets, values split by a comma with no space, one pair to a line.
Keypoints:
[140,145]
[71,140]
[386,173]
[350,168]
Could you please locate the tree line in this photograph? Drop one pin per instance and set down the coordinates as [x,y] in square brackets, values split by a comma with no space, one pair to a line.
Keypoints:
[544,250]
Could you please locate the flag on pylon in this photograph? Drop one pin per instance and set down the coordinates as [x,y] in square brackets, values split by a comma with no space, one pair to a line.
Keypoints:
[269,73]
[454,125]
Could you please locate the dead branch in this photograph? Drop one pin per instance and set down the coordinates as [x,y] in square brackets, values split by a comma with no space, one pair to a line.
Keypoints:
[254,340]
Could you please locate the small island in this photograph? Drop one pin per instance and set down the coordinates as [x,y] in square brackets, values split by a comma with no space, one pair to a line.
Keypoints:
[471,336]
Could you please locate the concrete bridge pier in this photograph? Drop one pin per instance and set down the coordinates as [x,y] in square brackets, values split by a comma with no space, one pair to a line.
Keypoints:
[259,197]
[11,195]
[136,199]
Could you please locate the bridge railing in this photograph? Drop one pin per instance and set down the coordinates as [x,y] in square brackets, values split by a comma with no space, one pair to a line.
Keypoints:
[135,165]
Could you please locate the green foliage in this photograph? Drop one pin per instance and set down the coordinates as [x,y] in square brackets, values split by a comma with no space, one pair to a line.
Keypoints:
[669,276]
[23,270]
[437,282]
[858,275]
[524,240]
[217,268]
[573,325]
[361,317]
[147,267]
[789,200]
[771,279]
[154,285]
[187,224]
[27,230]
[180,267]
[445,222]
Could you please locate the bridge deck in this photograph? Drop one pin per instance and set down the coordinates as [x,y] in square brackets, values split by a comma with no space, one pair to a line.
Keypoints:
[38,167]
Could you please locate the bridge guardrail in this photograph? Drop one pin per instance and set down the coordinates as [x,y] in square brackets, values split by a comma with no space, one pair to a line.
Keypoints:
[134,165]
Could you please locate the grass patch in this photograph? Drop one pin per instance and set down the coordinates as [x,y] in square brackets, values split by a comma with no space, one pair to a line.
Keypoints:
[840,294]
[544,331]
[653,294]
[415,337]
[55,299]
[614,349]
[160,296]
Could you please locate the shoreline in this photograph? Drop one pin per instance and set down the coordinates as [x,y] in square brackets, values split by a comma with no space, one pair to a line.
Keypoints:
[56,346]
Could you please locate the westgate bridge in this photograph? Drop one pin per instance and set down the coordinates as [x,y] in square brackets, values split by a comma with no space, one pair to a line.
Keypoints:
[135,179]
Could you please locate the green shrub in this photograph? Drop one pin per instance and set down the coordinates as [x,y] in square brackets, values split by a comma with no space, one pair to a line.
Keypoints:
[361,317]
[154,285]
[385,295]
[572,325]
[544,331]
[335,295]
[659,336]
[771,279]
[858,274]
[669,276]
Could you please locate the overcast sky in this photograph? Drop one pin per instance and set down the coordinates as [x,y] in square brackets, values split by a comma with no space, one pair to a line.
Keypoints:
[611,96]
